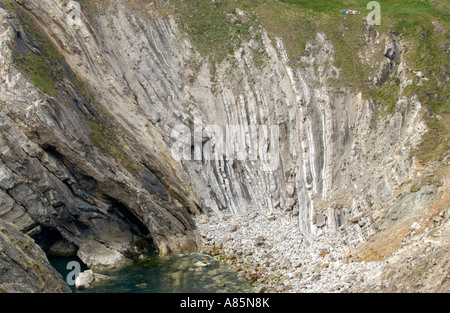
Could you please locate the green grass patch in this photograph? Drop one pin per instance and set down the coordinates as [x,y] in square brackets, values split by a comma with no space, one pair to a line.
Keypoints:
[34,30]
[39,70]
[436,142]
[214,27]
[41,66]
[386,96]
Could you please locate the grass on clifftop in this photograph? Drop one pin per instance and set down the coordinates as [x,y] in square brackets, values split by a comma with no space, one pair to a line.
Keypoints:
[217,31]
[424,25]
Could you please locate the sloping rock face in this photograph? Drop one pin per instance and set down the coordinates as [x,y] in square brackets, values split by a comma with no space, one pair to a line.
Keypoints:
[62,161]
[24,266]
[93,159]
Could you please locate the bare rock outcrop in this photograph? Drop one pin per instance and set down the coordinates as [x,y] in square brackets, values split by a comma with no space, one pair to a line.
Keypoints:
[24,266]
[87,139]
[69,172]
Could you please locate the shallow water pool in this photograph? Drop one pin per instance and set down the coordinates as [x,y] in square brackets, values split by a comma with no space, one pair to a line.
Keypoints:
[194,273]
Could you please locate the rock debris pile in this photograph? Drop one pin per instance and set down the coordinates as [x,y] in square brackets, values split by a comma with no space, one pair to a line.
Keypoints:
[269,251]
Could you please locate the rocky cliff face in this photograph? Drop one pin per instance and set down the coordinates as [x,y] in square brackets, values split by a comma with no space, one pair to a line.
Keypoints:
[24,266]
[70,171]
[89,161]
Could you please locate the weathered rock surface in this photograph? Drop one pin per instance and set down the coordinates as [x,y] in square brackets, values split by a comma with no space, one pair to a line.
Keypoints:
[59,182]
[24,266]
[93,163]
[86,279]
[98,257]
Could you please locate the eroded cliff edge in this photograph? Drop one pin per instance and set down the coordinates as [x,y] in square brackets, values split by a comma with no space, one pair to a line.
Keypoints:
[86,159]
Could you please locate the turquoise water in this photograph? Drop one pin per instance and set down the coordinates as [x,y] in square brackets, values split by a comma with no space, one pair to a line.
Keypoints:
[172,274]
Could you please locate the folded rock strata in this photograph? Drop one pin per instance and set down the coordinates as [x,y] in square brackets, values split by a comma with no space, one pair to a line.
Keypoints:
[90,163]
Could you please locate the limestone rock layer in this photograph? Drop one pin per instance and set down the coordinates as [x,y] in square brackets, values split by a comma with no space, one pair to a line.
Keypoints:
[89,161]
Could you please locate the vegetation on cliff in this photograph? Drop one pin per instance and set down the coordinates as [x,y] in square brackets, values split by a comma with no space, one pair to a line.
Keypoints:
[423,25]
[217,31]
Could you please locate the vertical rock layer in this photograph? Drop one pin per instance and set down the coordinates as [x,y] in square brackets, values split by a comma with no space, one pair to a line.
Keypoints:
[93,162]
